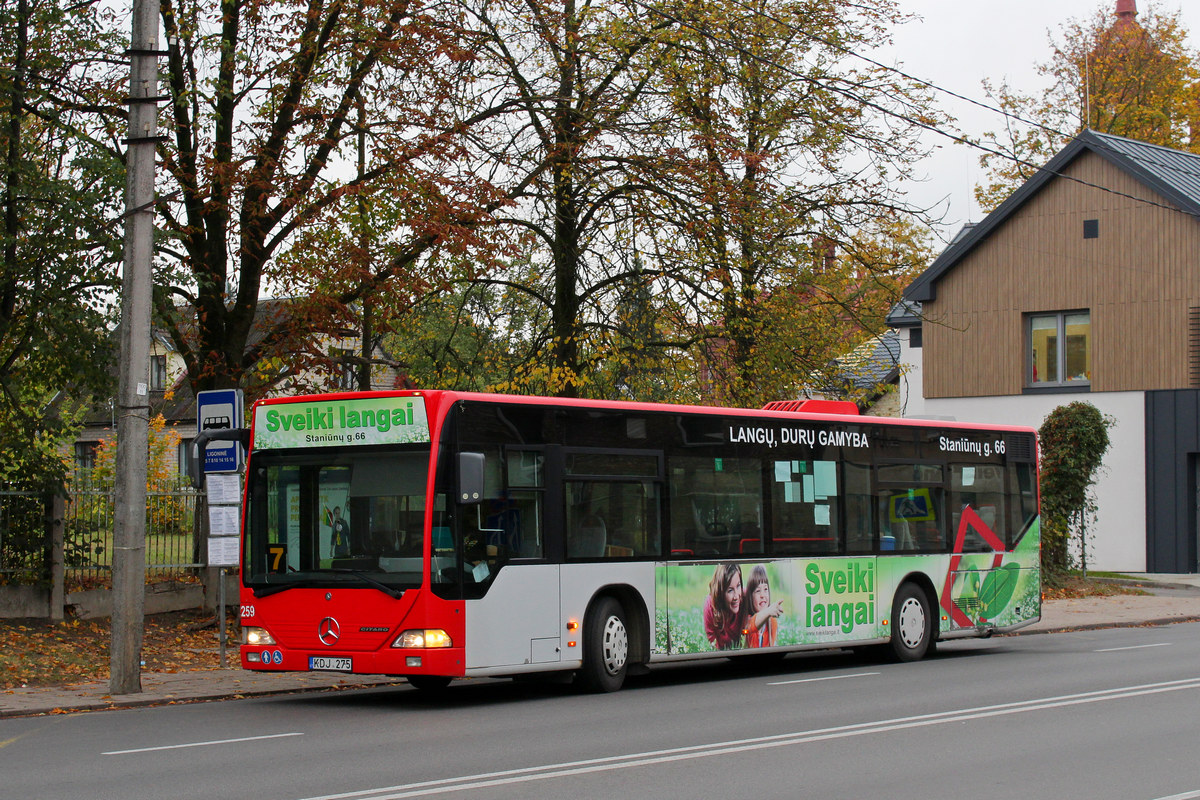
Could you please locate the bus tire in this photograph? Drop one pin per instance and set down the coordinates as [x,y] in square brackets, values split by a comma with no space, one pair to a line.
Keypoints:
[429,683]
[912,624]
[605,648]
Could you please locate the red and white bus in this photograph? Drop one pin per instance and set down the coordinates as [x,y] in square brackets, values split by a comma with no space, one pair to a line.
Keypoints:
[439,535]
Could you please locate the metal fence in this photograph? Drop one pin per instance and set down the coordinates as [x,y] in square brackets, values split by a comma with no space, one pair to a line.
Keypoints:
[24,537]
[173,533]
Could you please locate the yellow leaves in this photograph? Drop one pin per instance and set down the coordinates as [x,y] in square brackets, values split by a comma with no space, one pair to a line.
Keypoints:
[1141,81]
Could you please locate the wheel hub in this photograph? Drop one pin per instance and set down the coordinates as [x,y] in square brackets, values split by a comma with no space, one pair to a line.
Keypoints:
[616,645]
[911,621]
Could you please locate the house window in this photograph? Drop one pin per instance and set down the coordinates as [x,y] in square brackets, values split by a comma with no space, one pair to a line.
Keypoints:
[85,454]
[1059,349]
[185,458]
[158,373]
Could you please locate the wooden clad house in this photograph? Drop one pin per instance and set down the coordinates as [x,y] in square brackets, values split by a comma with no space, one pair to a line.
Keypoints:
[1083,285]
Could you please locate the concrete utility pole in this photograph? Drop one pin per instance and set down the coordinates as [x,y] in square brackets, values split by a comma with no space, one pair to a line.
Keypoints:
[133,395]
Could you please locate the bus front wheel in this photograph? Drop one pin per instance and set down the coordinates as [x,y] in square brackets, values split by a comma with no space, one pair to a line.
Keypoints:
[605,648]
[429,683]
[912,624]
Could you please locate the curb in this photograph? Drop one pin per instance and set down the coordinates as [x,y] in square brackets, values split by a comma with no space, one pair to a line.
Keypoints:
[137,701]
[1134,583]
[1097,626]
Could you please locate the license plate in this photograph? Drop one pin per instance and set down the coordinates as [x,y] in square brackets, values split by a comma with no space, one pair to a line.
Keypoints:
[335,664]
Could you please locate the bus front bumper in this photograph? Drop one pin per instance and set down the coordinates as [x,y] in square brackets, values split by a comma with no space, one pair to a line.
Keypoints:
[394,661]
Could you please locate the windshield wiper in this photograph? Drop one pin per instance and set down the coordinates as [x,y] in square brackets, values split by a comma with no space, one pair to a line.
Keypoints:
[395,594]
[267,591]
[316,580]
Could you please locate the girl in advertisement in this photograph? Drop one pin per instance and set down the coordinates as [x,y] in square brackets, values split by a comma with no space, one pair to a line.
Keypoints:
[762,628]
[724,614]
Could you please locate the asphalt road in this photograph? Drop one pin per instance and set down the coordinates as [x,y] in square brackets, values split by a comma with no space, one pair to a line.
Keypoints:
[1092,714]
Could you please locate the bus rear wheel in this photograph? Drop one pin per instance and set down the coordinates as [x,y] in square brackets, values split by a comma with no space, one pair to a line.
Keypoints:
[605,648]
[912,624]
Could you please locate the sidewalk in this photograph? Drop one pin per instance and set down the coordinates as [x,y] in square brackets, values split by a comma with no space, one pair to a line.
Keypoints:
[1172,598]
[161,688]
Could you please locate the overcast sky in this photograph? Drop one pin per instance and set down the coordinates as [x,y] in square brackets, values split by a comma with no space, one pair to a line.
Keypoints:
[957,44]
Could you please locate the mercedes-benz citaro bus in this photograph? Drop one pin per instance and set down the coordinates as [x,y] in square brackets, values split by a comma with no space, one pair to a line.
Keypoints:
[438,535]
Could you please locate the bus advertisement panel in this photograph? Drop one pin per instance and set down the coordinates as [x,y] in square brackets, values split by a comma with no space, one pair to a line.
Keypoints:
[435,535]
[705,608]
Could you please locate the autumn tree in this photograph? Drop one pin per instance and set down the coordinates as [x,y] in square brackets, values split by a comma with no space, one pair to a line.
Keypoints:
[264,114]
[648,344]
[471,335]
[792,152]
[616,220]
[1131,75]
[577,75]
[59,242]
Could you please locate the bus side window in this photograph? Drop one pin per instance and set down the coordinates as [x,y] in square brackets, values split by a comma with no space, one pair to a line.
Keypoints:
[860,525]
[911,506]
[805,502]
[613,519]
[980,488]
[1022,500]
[716,505]
[517,515]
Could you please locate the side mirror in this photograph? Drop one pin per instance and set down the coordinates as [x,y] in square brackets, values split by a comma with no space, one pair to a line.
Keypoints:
[470,478]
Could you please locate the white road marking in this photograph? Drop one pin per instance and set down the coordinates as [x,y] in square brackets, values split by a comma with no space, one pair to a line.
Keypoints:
[1184,796]
[199,744]
[827,678]
[1133,647]
[567,769]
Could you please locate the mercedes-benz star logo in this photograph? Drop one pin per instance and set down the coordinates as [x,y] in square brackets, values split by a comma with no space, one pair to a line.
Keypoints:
[328,631]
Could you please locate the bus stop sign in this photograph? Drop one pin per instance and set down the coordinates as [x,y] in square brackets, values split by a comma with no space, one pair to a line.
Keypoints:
[216,409]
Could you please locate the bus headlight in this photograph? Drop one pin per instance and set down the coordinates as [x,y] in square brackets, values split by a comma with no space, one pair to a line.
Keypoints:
[423,639]
[256,636]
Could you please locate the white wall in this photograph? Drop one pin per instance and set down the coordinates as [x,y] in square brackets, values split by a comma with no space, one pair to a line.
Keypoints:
[1119,541]
[912,391]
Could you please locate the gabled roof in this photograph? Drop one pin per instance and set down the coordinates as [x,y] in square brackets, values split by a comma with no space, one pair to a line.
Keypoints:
[904,314]
[873,363]
[1174,174]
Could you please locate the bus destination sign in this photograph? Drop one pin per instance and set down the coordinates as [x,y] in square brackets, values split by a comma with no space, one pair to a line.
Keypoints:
[335,423]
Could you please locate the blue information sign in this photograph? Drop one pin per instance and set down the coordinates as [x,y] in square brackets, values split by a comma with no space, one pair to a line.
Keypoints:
[216,409]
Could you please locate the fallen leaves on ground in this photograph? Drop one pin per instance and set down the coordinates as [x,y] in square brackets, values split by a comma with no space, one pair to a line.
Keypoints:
[1073,587]
[45,653]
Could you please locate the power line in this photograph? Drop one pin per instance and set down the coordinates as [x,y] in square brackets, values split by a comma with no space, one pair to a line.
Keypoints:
[955,137]
[959,96]
[987,107]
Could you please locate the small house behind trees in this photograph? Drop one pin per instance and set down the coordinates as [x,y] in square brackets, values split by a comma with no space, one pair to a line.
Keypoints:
[329,364]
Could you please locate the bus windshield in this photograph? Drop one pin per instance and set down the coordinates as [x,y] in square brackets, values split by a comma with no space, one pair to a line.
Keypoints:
[336,517]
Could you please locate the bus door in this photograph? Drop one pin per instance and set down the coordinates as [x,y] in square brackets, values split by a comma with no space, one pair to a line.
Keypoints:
[510,580]
[611,522]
